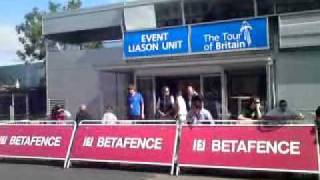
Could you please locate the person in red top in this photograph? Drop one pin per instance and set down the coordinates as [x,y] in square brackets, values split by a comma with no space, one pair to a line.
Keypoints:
[57,113]
[61,114]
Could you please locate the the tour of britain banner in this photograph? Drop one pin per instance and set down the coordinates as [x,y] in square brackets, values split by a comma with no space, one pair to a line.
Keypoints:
[156,42]
[230,36]
[250,34]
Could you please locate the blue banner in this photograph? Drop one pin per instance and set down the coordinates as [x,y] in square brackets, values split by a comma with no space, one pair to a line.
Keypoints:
[230,36]
[156,42]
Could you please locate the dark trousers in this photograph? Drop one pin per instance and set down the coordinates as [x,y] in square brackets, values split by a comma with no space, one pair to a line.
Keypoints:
[134,117]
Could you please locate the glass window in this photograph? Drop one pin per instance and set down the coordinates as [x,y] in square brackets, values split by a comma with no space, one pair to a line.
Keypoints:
[285,6]
[265,7]
[168,14]
[153,16]
[197,11]
[139,17]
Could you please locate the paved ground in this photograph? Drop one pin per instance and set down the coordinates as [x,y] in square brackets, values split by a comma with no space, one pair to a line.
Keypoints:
[23,171]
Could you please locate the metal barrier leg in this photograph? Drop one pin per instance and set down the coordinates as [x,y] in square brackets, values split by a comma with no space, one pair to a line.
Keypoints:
[172,171]
[178,170]
[179,129]
[67,162]
[175,149]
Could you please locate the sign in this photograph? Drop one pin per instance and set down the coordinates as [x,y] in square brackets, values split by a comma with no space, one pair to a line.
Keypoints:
[156,42]
[137,144]
[38,141]
[230,36]
[276,148]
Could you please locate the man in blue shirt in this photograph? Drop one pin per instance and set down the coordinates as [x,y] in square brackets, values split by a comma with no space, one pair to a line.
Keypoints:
[135,104]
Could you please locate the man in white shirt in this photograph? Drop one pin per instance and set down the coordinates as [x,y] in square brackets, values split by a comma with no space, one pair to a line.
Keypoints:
[181,107]
[109,117]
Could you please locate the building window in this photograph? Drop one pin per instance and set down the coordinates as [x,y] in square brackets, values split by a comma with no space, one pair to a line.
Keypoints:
[197,11]
[286,6]
[168,14]
[139,17]
[153,16]
[265,7]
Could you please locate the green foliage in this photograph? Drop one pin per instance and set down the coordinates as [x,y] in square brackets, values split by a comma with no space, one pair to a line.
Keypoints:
[30,36]
[30,31]
[73,4]
[54,7]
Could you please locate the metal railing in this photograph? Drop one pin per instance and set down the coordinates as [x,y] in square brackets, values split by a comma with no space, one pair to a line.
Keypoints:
[203,122]
[38,122]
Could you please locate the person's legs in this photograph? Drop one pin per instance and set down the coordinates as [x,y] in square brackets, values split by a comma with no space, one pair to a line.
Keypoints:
[134,118]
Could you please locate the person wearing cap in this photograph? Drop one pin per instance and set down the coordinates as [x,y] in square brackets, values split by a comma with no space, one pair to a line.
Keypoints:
[135,104]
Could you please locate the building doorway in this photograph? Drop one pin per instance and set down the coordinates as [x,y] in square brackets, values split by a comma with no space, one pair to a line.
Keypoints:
[225,93]
[210,86]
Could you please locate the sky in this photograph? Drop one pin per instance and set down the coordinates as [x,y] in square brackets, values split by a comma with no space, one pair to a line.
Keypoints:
[12,13]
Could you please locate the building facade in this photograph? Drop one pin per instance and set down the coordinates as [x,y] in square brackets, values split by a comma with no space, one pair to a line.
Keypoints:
[228,50]
[22,91]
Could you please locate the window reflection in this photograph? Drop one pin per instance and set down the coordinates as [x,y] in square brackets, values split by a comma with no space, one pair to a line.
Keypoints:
[168,14]
[265,7]
[285,6]
[197,11]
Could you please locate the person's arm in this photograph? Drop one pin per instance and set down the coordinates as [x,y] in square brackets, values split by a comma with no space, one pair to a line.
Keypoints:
[104,117]
[189,118]
[172,100]
[77,117]
[242,117]
[158,107]
[209,116]
[295,115]
[142,107]
[128,107]
[258,109]
[115,117]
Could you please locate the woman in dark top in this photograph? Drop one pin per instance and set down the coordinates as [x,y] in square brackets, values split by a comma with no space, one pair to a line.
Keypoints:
[252,111]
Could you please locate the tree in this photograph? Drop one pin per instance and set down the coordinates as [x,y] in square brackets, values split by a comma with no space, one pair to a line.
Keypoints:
[54,7]
[30,36]
[30,31]
[73,4]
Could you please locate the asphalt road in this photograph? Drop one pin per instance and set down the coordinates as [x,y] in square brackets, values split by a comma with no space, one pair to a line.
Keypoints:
[23,171]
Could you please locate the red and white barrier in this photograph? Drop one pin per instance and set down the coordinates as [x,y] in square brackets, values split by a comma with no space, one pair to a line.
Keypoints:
[39,140]
[289,148]
[153,144]
[283,147]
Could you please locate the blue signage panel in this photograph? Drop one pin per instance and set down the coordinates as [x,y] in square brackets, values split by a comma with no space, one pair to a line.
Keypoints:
[230,36]
[156,42]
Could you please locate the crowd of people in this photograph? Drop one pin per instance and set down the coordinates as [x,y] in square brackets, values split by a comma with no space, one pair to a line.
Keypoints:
[188,109]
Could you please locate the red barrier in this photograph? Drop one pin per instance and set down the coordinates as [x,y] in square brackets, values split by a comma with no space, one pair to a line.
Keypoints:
[135,144]
[272,148]
[36,141]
